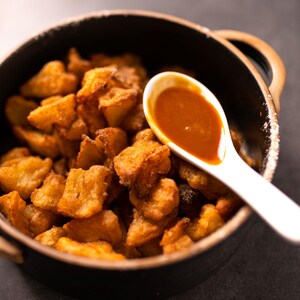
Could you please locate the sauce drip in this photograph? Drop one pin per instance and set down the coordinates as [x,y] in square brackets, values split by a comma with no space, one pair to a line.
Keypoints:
[191,122]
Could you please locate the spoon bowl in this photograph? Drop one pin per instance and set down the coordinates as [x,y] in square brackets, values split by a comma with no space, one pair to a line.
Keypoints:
[278,210]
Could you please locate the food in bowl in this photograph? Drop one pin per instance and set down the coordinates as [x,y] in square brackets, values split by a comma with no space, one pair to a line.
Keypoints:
[91,178]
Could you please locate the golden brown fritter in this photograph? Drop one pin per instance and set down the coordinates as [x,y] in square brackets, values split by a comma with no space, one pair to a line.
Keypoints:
[201,181]
[75,131]
[50,237]
[85,192]
[161,201]
[51,80]
[209,221]
[143,230]
[89,154]
[175,238]
[112,140]
[23,174]
[227,205]
[61,112]
[144,135]
[39,220]
[13,206]
[102,226]
[142,165]
[95,250]
[116,105]
[94,83]
[49,194]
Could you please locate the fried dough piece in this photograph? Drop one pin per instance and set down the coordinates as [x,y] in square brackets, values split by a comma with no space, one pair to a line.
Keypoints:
[76,64]
[209,186]
[175,238]
[51,80]
[50,237]
[41,143]
[39,220]
[227,205]
[116,104]
[92,117]
[85,192]
[143,230]
[102,226]
[16,152]
[89,154]
[24,174]
[94,84]
[75,131]
[111,140]
[141,165]
[209,221]
[29,219]
[161,201]
[128,78]
[17,109]
[97,250]
[12,206]
[49,194]
[144,135]
[60,112]
[135,121]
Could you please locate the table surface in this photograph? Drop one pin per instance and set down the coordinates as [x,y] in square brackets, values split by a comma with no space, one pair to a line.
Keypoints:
[264,266]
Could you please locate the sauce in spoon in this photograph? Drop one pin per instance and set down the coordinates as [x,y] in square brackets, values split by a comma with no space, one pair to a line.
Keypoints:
[190,121]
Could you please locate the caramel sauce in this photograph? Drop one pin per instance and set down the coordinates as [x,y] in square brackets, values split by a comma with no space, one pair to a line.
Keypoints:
[190,121]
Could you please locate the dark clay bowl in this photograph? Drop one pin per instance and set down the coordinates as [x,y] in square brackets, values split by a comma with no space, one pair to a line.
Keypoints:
[159,40]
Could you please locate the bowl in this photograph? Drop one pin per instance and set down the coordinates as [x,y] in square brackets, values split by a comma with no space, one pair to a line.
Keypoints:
[224,61]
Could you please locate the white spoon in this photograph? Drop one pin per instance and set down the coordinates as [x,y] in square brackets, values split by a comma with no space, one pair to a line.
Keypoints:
[279,211]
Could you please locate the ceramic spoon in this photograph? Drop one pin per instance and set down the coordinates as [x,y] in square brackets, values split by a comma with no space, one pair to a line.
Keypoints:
[279,211]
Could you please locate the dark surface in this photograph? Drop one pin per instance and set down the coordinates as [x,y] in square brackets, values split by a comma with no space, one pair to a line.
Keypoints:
[265,266]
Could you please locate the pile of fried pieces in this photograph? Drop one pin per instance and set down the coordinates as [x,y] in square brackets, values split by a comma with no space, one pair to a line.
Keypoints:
[91,178]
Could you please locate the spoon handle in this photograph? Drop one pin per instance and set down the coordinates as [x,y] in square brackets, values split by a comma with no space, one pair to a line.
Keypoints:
[278,210]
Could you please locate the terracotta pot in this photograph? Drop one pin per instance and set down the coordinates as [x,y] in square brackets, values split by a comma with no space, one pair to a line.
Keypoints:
[160,40]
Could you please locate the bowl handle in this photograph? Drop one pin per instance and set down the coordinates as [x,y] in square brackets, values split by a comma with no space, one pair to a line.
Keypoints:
[271,60]
[9,251]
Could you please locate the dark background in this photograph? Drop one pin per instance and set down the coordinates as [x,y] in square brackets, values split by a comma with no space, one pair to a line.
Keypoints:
[264,266]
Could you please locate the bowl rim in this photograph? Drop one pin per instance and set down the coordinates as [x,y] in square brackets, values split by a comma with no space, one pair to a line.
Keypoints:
[208,242]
